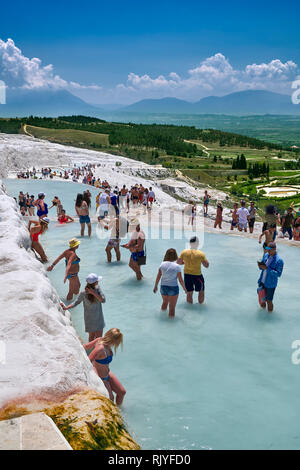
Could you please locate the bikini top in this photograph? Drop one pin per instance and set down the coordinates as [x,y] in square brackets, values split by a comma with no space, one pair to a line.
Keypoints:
[76,261]
[106,360]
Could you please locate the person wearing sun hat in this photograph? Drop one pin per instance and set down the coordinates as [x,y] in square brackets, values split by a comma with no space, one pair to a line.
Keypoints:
[92,298]
[72,267]
[39,228]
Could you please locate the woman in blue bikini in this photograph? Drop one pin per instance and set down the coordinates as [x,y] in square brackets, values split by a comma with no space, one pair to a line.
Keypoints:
[72,267]
[101,356]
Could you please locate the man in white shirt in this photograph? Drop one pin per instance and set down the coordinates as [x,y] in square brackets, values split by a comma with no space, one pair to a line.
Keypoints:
[252,213]
[243,215]
[151,196]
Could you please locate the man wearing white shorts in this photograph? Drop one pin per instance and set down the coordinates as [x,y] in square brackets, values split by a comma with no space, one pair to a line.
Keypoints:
[243,215]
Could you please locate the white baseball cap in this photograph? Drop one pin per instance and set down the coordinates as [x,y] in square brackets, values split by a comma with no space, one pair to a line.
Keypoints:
[92,278]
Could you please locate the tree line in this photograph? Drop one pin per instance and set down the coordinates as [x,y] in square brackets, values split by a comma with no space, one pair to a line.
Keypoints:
[170,138]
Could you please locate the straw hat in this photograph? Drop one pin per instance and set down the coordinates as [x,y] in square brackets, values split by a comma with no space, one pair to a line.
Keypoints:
[74,242]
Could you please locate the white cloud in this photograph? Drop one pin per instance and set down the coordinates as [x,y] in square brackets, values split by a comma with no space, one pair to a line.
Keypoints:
[20,71]
[213,76]
[273,70]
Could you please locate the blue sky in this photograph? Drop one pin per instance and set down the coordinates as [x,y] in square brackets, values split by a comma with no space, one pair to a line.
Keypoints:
[102,43]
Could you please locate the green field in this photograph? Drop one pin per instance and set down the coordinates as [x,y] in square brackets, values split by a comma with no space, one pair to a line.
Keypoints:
[279,129]
[69,136]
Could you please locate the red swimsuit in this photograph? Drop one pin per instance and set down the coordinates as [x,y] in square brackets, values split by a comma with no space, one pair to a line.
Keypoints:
[35,236]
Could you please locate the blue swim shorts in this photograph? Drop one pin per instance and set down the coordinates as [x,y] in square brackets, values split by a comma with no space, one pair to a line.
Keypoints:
[137,254]
[84,219]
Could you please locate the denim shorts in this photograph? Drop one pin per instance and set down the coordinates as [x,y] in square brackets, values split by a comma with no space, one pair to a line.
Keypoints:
[169,290]
[84,219]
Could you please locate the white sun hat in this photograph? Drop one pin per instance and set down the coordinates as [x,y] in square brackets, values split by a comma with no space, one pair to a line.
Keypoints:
[91,278]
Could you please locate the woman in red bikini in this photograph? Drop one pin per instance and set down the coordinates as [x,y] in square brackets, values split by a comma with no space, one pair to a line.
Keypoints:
[64,218]
[39,228]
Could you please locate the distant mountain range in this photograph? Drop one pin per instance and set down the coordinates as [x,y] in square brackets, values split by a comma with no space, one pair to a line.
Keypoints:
[54,103]
[21,103]
[242,103]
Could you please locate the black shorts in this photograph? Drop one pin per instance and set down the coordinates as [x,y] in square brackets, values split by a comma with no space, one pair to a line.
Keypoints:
[194,282]
[251,222]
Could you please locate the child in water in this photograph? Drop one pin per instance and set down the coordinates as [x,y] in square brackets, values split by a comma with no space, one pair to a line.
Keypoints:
[269,235]
[235,217]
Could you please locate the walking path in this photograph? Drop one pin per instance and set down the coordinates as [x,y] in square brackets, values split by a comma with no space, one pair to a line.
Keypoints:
[31,432]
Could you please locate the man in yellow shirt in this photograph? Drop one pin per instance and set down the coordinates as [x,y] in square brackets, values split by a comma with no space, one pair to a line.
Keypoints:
[192,259]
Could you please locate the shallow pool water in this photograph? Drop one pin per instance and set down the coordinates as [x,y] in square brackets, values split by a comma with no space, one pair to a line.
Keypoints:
[217,376]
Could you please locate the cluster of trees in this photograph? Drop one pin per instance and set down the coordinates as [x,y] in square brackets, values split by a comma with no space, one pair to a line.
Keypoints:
[10,126]
[256,170]
[168,138]
[292,165]
[240,163]
[79,119]
[229,139]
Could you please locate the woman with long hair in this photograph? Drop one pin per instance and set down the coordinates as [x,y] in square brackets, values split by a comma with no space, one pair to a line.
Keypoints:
[101,356]
[87,198]
[169,273]
[82,210]
[72,267]
[219,216]
[39,228]
[92,298]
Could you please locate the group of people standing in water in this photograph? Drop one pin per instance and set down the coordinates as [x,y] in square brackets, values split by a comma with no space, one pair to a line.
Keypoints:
[170,278]
[243,218]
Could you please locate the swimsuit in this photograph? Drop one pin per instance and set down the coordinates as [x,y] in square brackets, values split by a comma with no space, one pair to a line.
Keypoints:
[35,236]
[137,254]
[41,212]
[72,275]
[77,261]
[105,361]
[84,219]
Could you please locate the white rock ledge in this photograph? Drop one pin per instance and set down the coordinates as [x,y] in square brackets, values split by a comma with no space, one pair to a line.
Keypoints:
[44,358]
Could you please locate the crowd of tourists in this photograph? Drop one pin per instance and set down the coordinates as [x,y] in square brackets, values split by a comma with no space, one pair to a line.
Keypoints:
[243,218]
[112,205]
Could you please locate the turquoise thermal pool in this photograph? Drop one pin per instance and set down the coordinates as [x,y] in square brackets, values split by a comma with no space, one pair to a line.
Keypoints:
[218,376]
